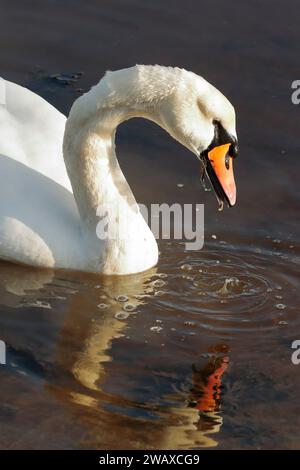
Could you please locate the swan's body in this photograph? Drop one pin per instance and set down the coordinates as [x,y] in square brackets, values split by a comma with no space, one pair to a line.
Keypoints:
[58,176]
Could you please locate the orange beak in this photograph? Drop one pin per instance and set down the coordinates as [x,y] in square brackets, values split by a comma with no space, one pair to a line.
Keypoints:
[222,177]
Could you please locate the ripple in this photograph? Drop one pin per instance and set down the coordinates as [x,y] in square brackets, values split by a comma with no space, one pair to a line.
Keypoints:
[230,291]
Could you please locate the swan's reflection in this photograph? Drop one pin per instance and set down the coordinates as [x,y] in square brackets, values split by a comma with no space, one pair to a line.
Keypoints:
[84,346]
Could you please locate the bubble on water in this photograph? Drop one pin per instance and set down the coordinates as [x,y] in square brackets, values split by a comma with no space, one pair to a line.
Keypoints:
[282,323]
[205,355]
[129,307]
[278,287]
[158,283]
[214,237]
[269,289]
[279,297]
[36,303]
[158,321]
[186,267]
[229,284]
[121,298]
[22,372]
[121,315]
[157,329]
[188,278]
[189,323]
[142,296]
[162,275]
[277,241]
[180,185]
[159,293]
[280,306]
[102,306]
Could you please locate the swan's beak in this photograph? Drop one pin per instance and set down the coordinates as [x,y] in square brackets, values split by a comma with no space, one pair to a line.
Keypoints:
[219,168]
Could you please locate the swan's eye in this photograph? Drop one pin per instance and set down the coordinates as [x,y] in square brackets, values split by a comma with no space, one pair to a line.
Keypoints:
[227,160]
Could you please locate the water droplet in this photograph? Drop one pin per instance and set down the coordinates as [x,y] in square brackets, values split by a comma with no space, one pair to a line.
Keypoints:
[214,237]
[102,306]
[121,315]
[229,284]
[122,298]
[180,185]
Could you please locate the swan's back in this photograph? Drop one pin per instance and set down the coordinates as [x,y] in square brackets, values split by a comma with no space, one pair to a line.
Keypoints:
[39,220]
[31,132]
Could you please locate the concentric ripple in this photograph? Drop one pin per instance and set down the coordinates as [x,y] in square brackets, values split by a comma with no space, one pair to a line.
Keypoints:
[227,289]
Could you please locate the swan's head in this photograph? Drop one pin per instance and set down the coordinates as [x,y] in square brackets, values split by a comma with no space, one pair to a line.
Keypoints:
[198,116]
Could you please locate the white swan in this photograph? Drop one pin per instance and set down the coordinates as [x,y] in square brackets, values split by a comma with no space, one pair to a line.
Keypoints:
[47,222]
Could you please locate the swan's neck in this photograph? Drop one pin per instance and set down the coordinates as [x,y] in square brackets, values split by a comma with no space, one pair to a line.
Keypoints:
[96,177]
[89,143]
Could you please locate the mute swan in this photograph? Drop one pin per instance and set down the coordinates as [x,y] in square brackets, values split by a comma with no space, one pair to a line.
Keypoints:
[47,222]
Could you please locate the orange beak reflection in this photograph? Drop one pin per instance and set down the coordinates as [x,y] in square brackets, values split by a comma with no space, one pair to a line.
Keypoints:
[220,172]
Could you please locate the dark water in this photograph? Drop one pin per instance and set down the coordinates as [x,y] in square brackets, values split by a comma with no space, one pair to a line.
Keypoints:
[197,352]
